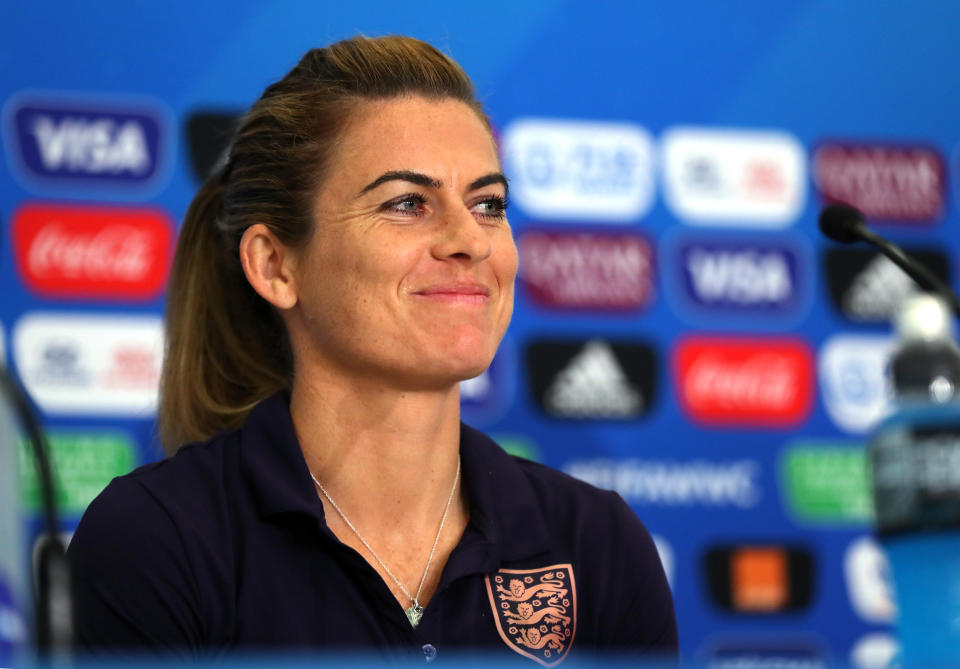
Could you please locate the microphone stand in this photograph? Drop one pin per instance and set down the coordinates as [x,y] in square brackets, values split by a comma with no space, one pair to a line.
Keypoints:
[54,608]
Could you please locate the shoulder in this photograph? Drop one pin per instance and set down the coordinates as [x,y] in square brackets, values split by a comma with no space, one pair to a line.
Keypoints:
[601,523]
[185,494]
[151,557]
[174,505]
[562,499]
[195,479]
[554,487]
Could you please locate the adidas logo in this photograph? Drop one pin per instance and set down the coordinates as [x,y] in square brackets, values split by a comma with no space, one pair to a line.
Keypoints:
[866,287]
[593,384]
[877,292]
[592,379]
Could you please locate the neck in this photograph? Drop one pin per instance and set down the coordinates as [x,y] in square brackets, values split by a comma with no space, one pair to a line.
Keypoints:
[388,457]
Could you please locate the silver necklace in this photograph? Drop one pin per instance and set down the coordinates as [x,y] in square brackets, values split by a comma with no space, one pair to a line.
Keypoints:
[415,611]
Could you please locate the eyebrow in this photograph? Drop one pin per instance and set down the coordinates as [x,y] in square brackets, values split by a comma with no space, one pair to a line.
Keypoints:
[429,182]
[492,178]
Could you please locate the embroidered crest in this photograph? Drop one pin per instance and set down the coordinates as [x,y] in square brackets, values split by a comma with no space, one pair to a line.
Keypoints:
[535,611]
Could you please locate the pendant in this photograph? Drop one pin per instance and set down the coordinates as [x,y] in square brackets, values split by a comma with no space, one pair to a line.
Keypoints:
[414,613]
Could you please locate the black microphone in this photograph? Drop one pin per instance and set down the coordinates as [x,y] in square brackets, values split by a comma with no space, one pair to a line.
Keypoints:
[845,224]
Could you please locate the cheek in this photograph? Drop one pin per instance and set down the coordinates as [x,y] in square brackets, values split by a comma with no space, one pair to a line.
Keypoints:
[360,265]
[507,262]
[506,265]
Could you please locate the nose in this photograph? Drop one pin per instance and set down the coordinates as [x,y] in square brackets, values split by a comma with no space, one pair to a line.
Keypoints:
[462,237]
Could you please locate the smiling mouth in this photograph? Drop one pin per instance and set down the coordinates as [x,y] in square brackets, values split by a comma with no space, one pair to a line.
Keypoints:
[457,294]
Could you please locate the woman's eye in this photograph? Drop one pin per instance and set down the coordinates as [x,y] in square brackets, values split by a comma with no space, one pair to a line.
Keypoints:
[408,205]
[492,207]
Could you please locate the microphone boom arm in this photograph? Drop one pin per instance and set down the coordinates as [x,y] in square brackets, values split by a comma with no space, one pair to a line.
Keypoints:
[912,268]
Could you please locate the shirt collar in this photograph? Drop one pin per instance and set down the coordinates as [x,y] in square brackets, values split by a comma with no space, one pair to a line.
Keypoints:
[273,462]
[503,505]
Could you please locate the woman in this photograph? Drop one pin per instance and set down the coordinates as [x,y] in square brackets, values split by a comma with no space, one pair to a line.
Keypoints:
[350,265]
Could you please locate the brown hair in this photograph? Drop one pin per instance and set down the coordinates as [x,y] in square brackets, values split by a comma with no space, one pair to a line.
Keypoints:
[227,348]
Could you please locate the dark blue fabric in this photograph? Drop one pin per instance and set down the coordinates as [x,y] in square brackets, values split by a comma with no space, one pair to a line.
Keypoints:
[224,546]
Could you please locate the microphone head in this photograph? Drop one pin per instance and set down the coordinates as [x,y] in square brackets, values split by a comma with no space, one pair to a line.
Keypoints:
[842,223]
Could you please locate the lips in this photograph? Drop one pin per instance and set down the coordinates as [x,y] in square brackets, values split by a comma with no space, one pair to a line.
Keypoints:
[470,293]
[455,289]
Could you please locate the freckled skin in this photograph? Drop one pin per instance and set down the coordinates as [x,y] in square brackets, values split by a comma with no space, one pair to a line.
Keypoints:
[407,284]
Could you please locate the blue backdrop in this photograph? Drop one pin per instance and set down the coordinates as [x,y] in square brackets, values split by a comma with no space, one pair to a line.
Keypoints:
[682,333]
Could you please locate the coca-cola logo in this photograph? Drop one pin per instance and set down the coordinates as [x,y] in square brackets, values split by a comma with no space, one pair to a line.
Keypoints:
[587,270]
[726,381]
[887,183]
[92,252]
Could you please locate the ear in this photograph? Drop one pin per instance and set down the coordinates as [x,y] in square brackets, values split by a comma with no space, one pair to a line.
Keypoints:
[269,266]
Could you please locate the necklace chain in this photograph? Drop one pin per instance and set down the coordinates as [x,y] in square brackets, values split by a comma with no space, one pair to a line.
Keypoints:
[415,612]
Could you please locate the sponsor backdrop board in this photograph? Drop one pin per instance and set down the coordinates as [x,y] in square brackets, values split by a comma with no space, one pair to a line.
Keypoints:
[682,334]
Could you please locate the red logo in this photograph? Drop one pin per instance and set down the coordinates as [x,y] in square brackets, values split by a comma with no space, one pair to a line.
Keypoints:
[888,183]
[587,270]
[535,611]
[764,179]
[132,367]
[92,252]
[724,381]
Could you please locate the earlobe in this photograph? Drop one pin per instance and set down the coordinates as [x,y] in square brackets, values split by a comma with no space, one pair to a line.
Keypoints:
[267,264]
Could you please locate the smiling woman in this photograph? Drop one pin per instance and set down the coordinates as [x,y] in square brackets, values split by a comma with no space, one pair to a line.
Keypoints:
[412,248]
[333,284]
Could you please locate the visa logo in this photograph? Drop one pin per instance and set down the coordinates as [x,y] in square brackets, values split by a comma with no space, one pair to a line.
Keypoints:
[86,144]
[92,146]
[738,277]
[743,277]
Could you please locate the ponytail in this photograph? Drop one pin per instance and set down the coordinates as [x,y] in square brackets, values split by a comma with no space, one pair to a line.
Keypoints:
[226,348]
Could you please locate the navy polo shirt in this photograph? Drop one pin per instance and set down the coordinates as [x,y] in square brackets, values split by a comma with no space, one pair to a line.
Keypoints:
[224,546]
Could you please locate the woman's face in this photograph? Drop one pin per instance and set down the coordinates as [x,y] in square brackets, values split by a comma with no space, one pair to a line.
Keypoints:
[408,278]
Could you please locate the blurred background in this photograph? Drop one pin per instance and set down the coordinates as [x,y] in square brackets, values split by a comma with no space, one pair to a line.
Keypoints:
[683,334]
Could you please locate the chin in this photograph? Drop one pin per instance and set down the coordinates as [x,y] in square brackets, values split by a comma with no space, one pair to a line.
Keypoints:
[472,373]
[456,369]
[472,361]
[452,359]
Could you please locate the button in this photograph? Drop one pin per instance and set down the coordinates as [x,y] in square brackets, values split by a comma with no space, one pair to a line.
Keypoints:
[429,652]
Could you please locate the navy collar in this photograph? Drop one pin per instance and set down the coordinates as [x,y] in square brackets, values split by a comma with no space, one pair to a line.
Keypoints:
[503,505]
[273,463]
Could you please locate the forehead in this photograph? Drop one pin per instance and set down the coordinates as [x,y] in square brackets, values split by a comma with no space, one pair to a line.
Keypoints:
[444,139]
